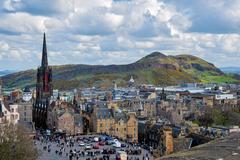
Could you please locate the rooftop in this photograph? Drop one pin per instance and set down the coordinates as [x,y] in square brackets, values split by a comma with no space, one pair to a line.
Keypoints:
[227,148]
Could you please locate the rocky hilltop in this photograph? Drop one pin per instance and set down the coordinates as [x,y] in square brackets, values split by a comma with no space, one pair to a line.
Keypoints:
[155,68]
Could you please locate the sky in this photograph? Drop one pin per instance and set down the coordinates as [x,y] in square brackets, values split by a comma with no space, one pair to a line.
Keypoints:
[117,31]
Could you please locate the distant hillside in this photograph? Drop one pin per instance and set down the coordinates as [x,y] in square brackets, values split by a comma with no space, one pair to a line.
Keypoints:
[235,70]
[155,68]
[6,72]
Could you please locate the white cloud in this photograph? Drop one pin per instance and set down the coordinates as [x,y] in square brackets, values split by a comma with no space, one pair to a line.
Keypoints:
[87,46]
[144,44]
[4,46]
[22,23]
[231,45]
[107,31]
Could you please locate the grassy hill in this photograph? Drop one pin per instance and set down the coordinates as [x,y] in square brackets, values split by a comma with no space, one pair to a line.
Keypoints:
[155,68]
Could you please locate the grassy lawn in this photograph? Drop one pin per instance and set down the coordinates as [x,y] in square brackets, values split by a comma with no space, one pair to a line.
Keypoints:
[207,77]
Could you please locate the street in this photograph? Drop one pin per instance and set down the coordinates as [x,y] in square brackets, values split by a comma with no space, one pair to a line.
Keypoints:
[86,148]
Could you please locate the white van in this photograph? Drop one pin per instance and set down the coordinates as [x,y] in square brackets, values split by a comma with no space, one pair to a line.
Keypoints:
[117,144]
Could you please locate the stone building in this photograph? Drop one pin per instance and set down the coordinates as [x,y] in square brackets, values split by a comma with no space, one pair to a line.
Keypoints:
[102,121]
[228,100]
[126,126]
[160,140]
[168,140]
[133,105]
[157,136]
[149,108]
[25,106]
[205,99]
[64,122]
[61,117]
[25,111]
[8,113]
[15,95]
[115,123]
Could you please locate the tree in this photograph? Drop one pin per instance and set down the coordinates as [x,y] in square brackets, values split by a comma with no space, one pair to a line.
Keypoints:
[233,118]
[206,119]
[219,117]
[16,144]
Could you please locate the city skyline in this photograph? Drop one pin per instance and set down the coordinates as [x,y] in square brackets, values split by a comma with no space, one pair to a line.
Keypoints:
[117,31]
[119,79]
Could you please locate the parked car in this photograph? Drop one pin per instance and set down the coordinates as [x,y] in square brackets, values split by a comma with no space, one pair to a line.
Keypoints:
[102,143]
[81,144]
[109,142]
[96,146]
[123,145]
[79,139]
[88,147]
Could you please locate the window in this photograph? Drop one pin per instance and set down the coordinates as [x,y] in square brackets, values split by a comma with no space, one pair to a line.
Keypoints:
[25,107]
[25,114]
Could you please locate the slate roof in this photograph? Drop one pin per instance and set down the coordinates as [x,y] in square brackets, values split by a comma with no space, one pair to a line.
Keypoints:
[104,113]
[61,112]
[26,89]
[120,115]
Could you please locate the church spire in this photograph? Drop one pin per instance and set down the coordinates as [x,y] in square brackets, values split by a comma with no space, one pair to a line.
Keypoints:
[44,90]
[44,52]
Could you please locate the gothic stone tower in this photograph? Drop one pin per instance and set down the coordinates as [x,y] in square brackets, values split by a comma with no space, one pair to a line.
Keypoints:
[44,90]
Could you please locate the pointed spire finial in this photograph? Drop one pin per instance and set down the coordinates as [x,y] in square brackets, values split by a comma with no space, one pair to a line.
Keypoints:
[44,52]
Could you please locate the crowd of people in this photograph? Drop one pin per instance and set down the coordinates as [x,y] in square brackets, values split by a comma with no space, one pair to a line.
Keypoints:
[68,147]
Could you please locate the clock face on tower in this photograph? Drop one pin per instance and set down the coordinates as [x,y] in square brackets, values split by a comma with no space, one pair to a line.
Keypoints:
[27,96]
